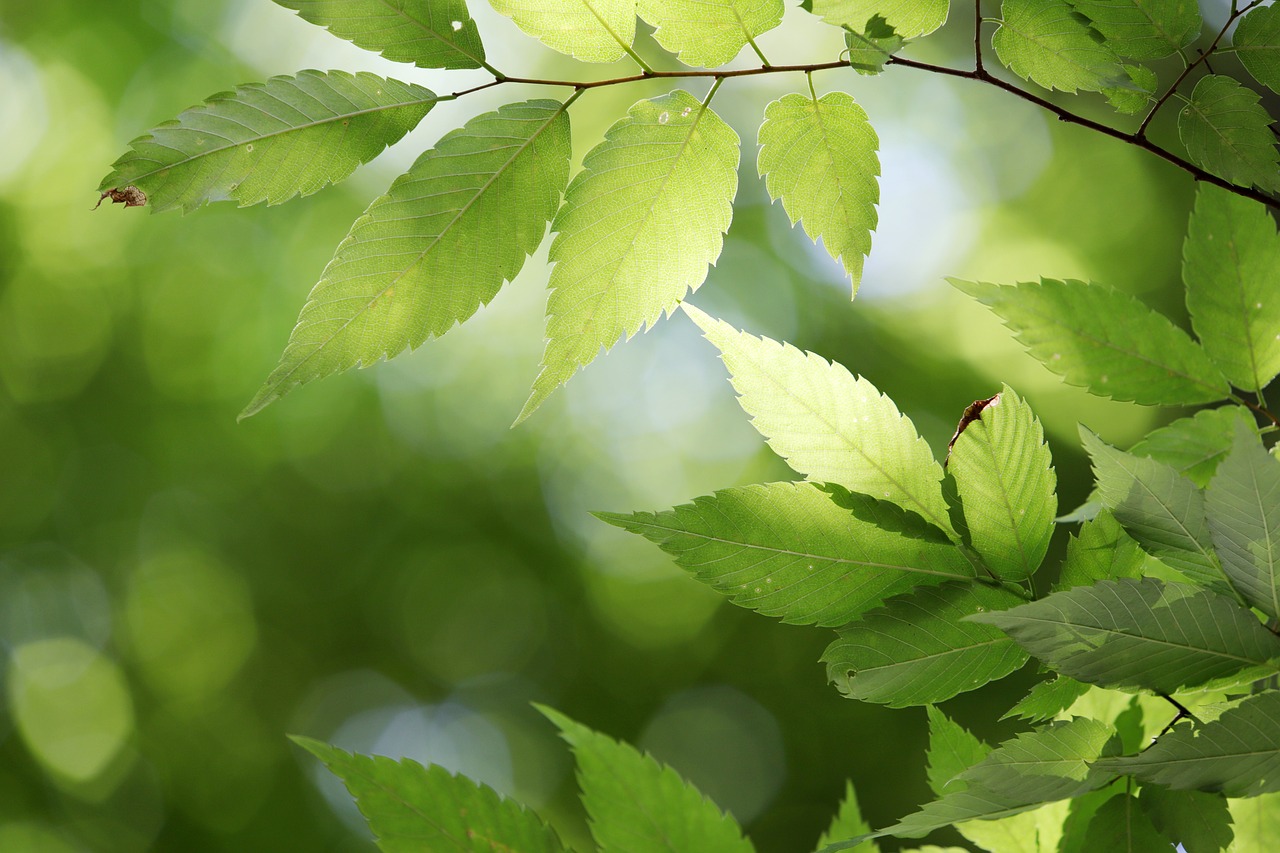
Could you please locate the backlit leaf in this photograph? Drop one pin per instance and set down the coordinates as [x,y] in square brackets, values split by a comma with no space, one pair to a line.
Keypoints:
[828,424]
[1228,133]
[1199,821]
[1257,43]
[1242,505]
[1231,266]
[1044,41]
[909,18]
[709,32]
[819,157]
[590,30]
[790,550]
[639,225]
[413,808]
[1143,634]
[1256,821]
[436,247]
[1047,700]
[1143,29]
[1101,551]
[916,651]
[1104,340]
[270,141]
[848,823]
[1194,446]
[1005,479]
[871,46]
[1121,826]
[428,33]
[952,750]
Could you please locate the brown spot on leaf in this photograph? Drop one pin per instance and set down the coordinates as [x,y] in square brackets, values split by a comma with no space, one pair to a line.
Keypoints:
[972,412]
[128,196]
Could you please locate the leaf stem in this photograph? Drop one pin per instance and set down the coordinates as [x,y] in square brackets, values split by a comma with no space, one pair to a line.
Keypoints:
[764,60]
[1260,409]
[1204,57]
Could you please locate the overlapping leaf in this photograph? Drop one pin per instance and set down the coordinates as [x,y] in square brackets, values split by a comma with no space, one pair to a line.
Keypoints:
[1101,551]
[1160,508]
[709,32]
[1121,826]
[871,46]
[1242,505]
[1045,42]
[827,423]
[818,155]
[1231,266]
[1237,754]
[435,248]
[412,808]
[1104,340]
[1142,634]
[952,750]
[1195,445]
[1047,700]
[916,651]
[848,823]
[428,33]
[1257,42]
[640,806]
[790,550]
[1143,29]
[909,18]
[590,30]
[639,225]
[270,141]
[1228,133]
[1201,822]
[1004,476]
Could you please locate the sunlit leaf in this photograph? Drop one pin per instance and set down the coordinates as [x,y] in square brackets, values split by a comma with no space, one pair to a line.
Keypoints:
[916,651]
[871,46]
[436,247]
[1237,754]
[412,808]
[1138,94]
[1036,831]
[848,823]
[1158,507]
[1228,133]
[1047,700]
[590,30]
[1143,634]
[952,750]
[827,423]
[1256,821]
[1101,551]
[1242,505]
[428,33]
[640,806]
[1231,265]
[1104,340]
[1143,29]
[1044,41]
[1121,826]
[270,141]
[819,157]
[909,18]
[1200,822]
[709,32]
[1194,446]
[790,550]
[1257,43]
[639,225]
[1005,479]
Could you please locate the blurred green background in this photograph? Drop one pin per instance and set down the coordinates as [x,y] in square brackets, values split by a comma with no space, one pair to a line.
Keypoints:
[377,560]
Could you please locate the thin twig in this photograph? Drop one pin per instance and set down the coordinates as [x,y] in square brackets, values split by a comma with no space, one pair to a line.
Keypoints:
[977,37]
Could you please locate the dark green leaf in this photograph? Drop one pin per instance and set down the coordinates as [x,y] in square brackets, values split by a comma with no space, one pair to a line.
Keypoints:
[1121,826]
[1228,133]
[1242,505]
[1047,700]
[1257,43]
[1200,822]
[428,33]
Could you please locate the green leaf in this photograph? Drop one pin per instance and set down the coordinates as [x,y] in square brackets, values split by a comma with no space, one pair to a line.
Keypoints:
[1242,505]
[848,823]
[790,550]
[1047,700]
[1121,826]
[1257,42]
[916,651]
[872,46]
[818,155]
[952,750]
[639,225]
[640,806]
[436,247]
[1138,94]
[1158,507]
[827,423]
[1104,340]
[589,30]
[270,141]
[1145,634]
[412,808]
[1037,767]
[1101,551]
[909,18]
[1194,446]
[1005,479]
[1231,266]
[1256,821]
[1143,29]
[1237,754]
[1228,133]
[1035,831]
[708,33]
[1045,42]
[1200,822]
[428,33]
